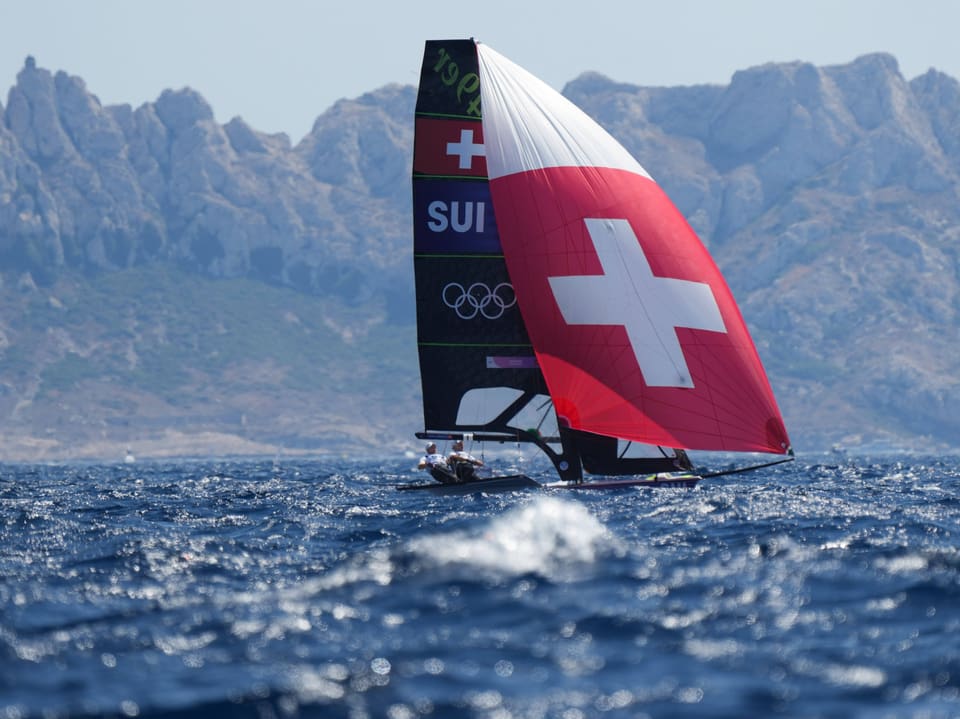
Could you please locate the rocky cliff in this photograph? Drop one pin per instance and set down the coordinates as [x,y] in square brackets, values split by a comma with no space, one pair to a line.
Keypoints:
[828,195]
[101,188]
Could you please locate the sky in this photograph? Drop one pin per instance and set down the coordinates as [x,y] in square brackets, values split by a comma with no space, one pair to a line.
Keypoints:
[279,64]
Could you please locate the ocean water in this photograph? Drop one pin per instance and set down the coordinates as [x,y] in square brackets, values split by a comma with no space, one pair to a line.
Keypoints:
[829,587]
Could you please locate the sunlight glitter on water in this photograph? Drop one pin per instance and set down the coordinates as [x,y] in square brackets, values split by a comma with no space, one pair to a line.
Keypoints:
[818,590]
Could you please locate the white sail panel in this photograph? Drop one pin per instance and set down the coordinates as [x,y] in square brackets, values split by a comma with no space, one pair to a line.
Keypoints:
[530,126]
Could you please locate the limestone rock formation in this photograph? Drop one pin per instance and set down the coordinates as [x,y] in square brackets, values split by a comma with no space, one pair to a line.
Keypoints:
[828,196]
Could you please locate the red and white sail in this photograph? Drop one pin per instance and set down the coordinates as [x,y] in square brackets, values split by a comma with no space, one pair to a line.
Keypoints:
[634,328]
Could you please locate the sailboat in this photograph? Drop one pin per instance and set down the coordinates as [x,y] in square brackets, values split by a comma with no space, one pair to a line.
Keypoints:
[562,299]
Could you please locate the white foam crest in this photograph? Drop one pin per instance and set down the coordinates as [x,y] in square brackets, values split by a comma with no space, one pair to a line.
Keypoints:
[710,649]
[376,567]
[540,537]
[313,685]
[907,564]
[845,675]
[181,643]
[886,604]
[855,676]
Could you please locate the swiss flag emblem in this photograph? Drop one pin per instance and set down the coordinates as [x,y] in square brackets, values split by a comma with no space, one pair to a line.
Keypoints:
[449,148]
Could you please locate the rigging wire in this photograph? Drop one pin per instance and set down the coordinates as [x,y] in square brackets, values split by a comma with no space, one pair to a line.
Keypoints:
[740,470]
[546,413]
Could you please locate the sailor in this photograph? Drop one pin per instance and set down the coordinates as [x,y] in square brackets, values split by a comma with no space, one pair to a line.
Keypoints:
[463,463]
[436,463]
[432,458]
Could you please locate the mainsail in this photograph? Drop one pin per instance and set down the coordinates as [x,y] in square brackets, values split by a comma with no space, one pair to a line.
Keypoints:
[550,264]
[471,336]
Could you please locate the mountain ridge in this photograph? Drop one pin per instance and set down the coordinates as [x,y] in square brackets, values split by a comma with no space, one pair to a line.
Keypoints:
[827,195]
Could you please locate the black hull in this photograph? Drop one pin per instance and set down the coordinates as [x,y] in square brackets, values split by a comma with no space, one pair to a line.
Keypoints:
[514,482]
[662,481]
[509,483]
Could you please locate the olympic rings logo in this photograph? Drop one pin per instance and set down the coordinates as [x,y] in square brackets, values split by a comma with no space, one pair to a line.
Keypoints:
[479,299]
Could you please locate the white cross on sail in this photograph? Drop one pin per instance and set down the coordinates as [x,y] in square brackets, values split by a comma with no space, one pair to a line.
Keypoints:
[466,149]
[650,308]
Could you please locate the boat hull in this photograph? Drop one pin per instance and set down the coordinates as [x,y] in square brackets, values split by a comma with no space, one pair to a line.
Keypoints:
[508,483]
[515,482]
[680,480]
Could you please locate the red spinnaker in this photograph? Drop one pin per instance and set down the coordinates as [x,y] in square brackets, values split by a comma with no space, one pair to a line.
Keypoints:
[636,332]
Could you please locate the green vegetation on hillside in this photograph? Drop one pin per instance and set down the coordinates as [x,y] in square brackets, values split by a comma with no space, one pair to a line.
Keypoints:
[274,359]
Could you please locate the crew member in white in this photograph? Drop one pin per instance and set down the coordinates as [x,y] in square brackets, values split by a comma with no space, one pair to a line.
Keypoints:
[463,463]
[432,458]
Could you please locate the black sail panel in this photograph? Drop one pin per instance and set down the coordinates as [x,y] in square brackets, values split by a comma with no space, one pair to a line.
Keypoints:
[470,332]
[601,455]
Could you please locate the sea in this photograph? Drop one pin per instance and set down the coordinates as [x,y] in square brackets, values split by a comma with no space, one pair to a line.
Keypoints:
[827,587]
